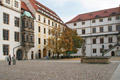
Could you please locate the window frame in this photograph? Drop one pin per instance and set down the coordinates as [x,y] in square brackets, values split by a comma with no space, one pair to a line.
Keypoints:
[17,36]
[83,31]
[6,18]
[101,40]
[4,49]
[17,21]
[6,34]
[94,50]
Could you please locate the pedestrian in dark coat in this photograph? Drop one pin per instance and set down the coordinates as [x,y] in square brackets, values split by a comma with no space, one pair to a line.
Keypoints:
[9,60]
[14,60]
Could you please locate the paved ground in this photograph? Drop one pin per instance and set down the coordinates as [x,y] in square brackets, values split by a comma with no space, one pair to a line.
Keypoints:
[116,75]
[56,70]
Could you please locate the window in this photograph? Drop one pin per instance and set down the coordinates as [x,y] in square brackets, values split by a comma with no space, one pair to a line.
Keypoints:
[38,17]
[6,18]
[44,30]
[110,40]
[110,46]
[49,32]
[44,20]
[7,1]
[16,22]
[27,38]
[23,37]
[101,29]
[101,40]
[93,21]
[31,24]
[94,30]
[75,24]
[48,22]
[117,27]
[52,23]
[5,34]
[44,41]
[109,28]
[94,41]
[101,50]
[39,29]
[100,20]
[39,40]
[55,24]
[16,36]
[83,31]
[117,17]
[16,4]
[26,23]
[83,23]
[109,19]
[31,38]
[94,50]
[5,49]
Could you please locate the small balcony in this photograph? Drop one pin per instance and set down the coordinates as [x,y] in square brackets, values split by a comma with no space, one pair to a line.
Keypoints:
[27,44]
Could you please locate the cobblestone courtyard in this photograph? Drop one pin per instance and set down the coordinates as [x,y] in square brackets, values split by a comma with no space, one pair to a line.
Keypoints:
[56,70]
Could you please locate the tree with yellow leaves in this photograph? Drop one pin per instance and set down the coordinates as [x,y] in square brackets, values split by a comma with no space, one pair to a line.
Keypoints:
[63,41]
[70,40]
[54,41]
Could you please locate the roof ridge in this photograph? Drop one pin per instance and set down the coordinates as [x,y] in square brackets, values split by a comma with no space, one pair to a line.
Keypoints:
[91,15]
[99,11]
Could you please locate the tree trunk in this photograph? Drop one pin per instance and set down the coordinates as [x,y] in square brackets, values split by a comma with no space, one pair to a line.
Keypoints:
[58,55]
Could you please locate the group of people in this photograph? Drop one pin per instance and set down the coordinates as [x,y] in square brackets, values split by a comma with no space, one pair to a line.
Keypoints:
[9,59]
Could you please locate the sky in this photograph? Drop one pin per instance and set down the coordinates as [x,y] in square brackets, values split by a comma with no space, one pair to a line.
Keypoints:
[68,9]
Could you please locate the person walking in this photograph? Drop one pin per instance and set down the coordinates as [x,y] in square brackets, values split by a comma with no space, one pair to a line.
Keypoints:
[9,60]
[14,60]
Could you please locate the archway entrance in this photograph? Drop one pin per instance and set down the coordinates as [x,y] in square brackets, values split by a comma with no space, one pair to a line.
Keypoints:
[112,53]
[39,54]
[49,54]
[32,56]
[44,52]
[19,54]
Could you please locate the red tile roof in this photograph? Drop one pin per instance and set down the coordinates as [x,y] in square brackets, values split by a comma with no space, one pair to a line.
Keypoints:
[33,2]
[23,6]
[96,14]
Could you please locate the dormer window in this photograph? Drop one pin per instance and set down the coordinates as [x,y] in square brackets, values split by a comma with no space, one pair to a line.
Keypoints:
[91,14]
[7,1]
[16,4]
[105,11]
[97,16]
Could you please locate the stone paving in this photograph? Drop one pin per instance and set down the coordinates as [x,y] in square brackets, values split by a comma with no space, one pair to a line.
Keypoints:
[56,70]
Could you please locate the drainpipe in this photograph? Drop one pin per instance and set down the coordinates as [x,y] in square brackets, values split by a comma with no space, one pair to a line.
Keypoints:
[15,47]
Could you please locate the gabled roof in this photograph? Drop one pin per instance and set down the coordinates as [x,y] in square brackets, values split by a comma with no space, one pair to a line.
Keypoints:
[23,6]
[46,10]
[25,10]
[96,14]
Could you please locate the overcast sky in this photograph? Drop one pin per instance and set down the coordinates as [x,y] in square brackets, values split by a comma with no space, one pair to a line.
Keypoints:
[68,9]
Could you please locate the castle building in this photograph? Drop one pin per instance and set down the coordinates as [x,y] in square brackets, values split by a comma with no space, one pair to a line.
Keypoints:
[25,28]
[45,20]
[100,30]
[10,11]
